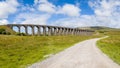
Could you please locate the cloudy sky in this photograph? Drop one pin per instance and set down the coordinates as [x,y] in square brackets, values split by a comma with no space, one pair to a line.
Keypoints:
[69,13]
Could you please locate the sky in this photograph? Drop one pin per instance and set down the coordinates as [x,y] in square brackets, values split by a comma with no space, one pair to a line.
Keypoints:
[68,13]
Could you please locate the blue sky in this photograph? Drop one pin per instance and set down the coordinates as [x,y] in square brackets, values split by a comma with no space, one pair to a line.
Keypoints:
[83,4]
[69,13]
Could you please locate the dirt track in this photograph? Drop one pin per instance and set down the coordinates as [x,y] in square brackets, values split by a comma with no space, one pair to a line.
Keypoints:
[82,55]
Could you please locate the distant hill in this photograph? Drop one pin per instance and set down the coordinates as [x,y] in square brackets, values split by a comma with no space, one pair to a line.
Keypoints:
[7,29]
[98,28]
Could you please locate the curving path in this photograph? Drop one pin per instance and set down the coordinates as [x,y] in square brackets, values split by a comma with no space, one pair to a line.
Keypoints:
[82,55]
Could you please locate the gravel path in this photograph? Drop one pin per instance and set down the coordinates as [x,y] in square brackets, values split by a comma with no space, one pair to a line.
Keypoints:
[82,55]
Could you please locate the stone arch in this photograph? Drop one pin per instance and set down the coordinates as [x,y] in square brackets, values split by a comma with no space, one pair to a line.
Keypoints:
[22,29]
[16,28]
[29,30]
[57,32]
[35,30]
[44,30]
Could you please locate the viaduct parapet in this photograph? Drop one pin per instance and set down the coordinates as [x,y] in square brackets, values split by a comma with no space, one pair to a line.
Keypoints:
[50,30]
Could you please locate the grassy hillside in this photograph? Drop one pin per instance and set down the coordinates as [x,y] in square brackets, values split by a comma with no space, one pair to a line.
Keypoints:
[111,45]
[102,28]
[19,51]
[7,29]
[98,28]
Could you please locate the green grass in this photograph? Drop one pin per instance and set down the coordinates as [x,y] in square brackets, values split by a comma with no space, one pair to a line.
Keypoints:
[111,45]
[20,51]
[7,29]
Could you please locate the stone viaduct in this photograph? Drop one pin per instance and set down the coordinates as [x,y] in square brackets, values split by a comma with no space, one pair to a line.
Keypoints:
[50,30]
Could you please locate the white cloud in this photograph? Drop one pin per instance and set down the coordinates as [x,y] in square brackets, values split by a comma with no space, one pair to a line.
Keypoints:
[42,20]
[83,20]
[102,12]
[107,12]
[27,8]
[3,22]
[70,10]
[32,18]
[36,1]
[8,7]
[105,7]
[40,1]
[45,6]
[67,9]
[87,20]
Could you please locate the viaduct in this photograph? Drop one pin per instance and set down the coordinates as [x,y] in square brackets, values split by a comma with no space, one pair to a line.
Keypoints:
[50,30]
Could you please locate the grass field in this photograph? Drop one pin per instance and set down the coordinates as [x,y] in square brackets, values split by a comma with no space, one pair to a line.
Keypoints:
[111,45]
[19,51]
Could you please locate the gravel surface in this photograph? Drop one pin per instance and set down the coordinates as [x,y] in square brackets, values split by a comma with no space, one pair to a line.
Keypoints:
[82,55]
